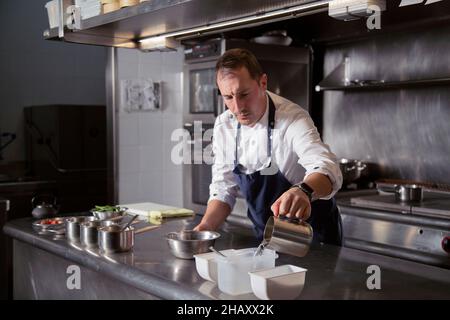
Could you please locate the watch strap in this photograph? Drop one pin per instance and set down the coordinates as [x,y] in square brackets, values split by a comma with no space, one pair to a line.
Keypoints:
[306,189]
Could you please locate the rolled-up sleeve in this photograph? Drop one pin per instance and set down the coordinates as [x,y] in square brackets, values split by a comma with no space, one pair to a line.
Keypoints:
[223,186]
[314,155]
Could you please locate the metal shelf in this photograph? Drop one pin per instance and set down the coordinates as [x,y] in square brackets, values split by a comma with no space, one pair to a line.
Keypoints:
[339,80]
[389,85]
[125,27]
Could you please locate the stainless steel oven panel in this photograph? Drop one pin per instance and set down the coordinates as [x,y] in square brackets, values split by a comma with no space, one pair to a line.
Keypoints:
[404,236]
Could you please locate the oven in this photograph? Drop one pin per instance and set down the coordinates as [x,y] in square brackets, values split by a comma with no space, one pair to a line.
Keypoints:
[379,223]
[288,70]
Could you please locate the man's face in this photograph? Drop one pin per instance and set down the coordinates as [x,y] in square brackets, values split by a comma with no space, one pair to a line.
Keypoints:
[244,96]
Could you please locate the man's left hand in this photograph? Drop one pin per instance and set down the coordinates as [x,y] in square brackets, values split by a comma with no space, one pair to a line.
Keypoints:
[292,203]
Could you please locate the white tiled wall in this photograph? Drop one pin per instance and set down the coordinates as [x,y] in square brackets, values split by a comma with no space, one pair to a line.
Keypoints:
[146,172]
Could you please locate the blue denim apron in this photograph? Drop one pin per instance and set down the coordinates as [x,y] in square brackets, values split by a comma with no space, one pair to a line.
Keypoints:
[262,189]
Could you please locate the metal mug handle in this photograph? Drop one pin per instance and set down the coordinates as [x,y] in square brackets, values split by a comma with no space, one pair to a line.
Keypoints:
[290,219]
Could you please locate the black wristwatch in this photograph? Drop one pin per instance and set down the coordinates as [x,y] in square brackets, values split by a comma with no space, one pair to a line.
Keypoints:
[306,189]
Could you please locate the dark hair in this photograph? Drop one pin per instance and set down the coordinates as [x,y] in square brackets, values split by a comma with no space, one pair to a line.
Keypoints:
[236,58]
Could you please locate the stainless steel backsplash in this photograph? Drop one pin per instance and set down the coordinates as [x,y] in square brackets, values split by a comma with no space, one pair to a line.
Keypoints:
[405,131]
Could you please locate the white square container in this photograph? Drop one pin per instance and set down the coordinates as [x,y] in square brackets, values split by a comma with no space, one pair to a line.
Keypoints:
[284,282]
[207,266]
[233,271]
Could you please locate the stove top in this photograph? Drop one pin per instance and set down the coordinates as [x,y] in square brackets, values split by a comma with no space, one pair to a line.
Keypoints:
[433,204]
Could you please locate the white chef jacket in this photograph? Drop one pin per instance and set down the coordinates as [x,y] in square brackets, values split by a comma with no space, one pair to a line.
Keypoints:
[297,149]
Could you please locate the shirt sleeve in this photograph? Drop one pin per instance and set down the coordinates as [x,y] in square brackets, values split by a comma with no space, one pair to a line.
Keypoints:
[223,186]
[314,155]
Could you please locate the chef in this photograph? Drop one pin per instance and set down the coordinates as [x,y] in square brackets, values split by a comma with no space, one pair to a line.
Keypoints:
[267,149]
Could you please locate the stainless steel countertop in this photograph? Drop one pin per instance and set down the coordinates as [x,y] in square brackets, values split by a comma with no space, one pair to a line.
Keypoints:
[333,272]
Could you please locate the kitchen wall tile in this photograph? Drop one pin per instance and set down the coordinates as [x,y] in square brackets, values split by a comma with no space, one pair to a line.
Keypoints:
[173,58]
[128,188]
[170,124]
[150,187]
[151,158]
[127,63]
[173,189]
[173,101]
[150,66]
[172,74]
[151,57]
[154,145]
[128,130]
[152,72]
[129,159]
[150,128]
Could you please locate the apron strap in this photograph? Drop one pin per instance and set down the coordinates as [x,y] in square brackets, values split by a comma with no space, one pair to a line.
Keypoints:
[270,127]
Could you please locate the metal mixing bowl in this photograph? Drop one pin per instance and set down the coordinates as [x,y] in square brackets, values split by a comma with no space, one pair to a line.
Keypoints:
[185,244]
[104,215]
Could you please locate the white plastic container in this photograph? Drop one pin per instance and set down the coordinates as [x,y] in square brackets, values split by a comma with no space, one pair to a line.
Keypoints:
[284,282]
[207,266]
[233,271]
[52,12]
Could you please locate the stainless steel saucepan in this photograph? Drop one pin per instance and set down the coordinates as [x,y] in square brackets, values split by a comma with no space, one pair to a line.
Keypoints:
[73,227]
[89,231]
[409,193]
[405,192]
[113,239]
[351,170]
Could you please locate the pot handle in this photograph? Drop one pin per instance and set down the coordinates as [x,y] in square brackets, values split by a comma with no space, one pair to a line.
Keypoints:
[362,167]
[123,210]
[33,201]
[294,220]
[45,195]
[393,189]
[142,230]
[285,218]
[348,169]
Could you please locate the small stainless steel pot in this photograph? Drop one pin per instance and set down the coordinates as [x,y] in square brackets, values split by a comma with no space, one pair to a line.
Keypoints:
[73,227]
[89,231]
[409,193]
[291,236]
[351,169]
[112,239]
[404,192]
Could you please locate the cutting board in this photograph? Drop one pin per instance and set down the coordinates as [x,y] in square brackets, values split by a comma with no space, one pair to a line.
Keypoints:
[150,209]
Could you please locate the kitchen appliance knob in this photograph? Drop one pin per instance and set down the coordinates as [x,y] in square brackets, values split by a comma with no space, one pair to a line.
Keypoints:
[446,244]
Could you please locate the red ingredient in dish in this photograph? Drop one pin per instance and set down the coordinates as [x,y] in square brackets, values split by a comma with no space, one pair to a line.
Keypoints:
[51,221]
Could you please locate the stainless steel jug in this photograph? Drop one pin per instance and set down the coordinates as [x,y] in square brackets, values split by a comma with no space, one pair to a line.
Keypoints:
[291,236]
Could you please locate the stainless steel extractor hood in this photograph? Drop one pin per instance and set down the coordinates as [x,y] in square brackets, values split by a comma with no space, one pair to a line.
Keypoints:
[179,19]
